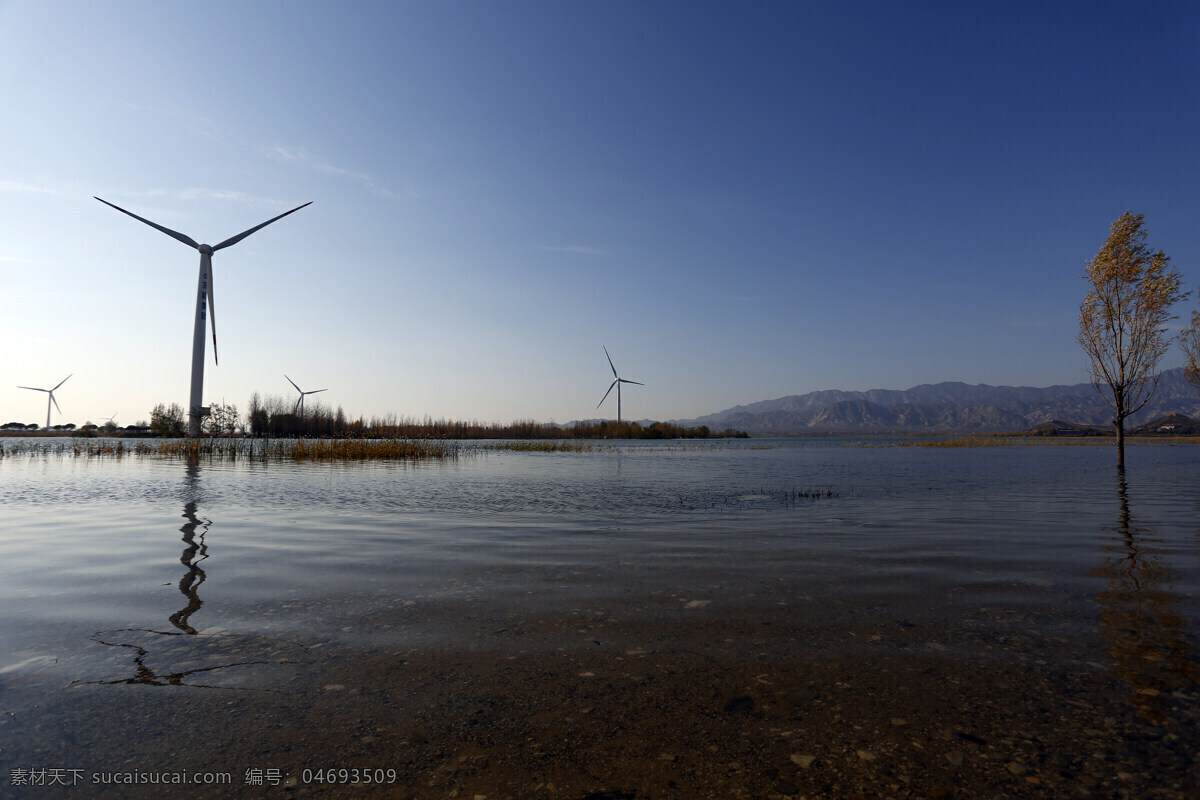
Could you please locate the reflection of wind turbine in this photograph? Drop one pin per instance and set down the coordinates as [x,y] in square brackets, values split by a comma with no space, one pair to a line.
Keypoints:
[617,381]
[204,289]
[300,403]
[50,399]
[189,584]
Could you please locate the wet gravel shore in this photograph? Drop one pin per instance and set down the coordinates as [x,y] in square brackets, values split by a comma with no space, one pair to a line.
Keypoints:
[650,697]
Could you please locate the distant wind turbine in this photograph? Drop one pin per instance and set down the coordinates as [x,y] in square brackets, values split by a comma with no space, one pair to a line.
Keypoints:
[300,403]
[110,419]
[204,289]
[50,399]
[617,381]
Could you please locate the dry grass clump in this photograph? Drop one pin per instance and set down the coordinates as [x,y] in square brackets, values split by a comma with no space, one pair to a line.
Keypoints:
[361,449]
[547,446]
[217,449]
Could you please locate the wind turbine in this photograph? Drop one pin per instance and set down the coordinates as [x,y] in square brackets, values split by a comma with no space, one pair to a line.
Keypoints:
[300,402]
[50,399]
[204,289]
[617,381]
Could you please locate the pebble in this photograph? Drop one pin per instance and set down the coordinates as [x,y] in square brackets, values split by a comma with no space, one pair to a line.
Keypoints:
[866,755]
[804,761]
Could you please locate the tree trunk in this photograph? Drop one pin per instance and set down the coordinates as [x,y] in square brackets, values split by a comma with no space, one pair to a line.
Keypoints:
[1119,422]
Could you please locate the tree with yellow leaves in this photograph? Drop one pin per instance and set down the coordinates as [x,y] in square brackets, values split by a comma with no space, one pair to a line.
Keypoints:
[1122,320]
[1189,340]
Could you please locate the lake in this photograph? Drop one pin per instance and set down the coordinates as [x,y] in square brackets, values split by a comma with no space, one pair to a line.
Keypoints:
[750,618]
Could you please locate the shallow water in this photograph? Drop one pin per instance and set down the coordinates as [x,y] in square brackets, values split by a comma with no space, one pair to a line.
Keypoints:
[269,583]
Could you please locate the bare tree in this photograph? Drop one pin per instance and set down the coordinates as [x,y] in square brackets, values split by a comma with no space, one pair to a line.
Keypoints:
[1122,320]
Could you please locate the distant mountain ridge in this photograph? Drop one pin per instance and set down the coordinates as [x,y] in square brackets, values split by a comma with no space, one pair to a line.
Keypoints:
[950,407]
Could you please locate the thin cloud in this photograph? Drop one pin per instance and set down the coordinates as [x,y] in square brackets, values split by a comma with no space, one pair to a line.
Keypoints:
[300,156]
[12,187]
[226,196]
[14,260]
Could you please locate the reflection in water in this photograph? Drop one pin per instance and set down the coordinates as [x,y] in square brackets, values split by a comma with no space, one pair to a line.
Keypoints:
[1139,616]
[189,584]
[209,648]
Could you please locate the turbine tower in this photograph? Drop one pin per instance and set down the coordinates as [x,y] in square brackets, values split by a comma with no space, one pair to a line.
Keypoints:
[617,381]
[204,289]
[300,402]
[50,399]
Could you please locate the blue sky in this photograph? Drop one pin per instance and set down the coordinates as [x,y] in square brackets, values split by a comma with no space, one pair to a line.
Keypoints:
[742,201]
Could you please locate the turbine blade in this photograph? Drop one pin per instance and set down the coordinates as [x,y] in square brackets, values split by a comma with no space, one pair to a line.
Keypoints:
[639,383]
[234,240]
[602,399]
[212,312]
[52,400]
[610,364]
[189,241]
[60,383]
[293,383]
[33,389]
[314,391]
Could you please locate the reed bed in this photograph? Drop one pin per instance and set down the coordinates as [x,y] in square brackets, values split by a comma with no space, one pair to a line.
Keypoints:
[547,446]
[217,449]
[363,449]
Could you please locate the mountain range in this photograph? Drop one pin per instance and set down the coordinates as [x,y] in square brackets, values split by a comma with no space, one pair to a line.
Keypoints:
[945,408]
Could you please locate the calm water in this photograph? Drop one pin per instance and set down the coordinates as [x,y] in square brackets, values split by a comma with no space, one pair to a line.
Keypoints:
[122,573]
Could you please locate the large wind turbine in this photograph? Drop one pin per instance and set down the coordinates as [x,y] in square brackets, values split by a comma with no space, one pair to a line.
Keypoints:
[617,381]
[50,399]
[204,289]
[300,402]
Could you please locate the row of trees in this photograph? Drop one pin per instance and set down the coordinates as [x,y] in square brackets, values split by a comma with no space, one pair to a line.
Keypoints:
[276,417]
[109,428]
[1123,321]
